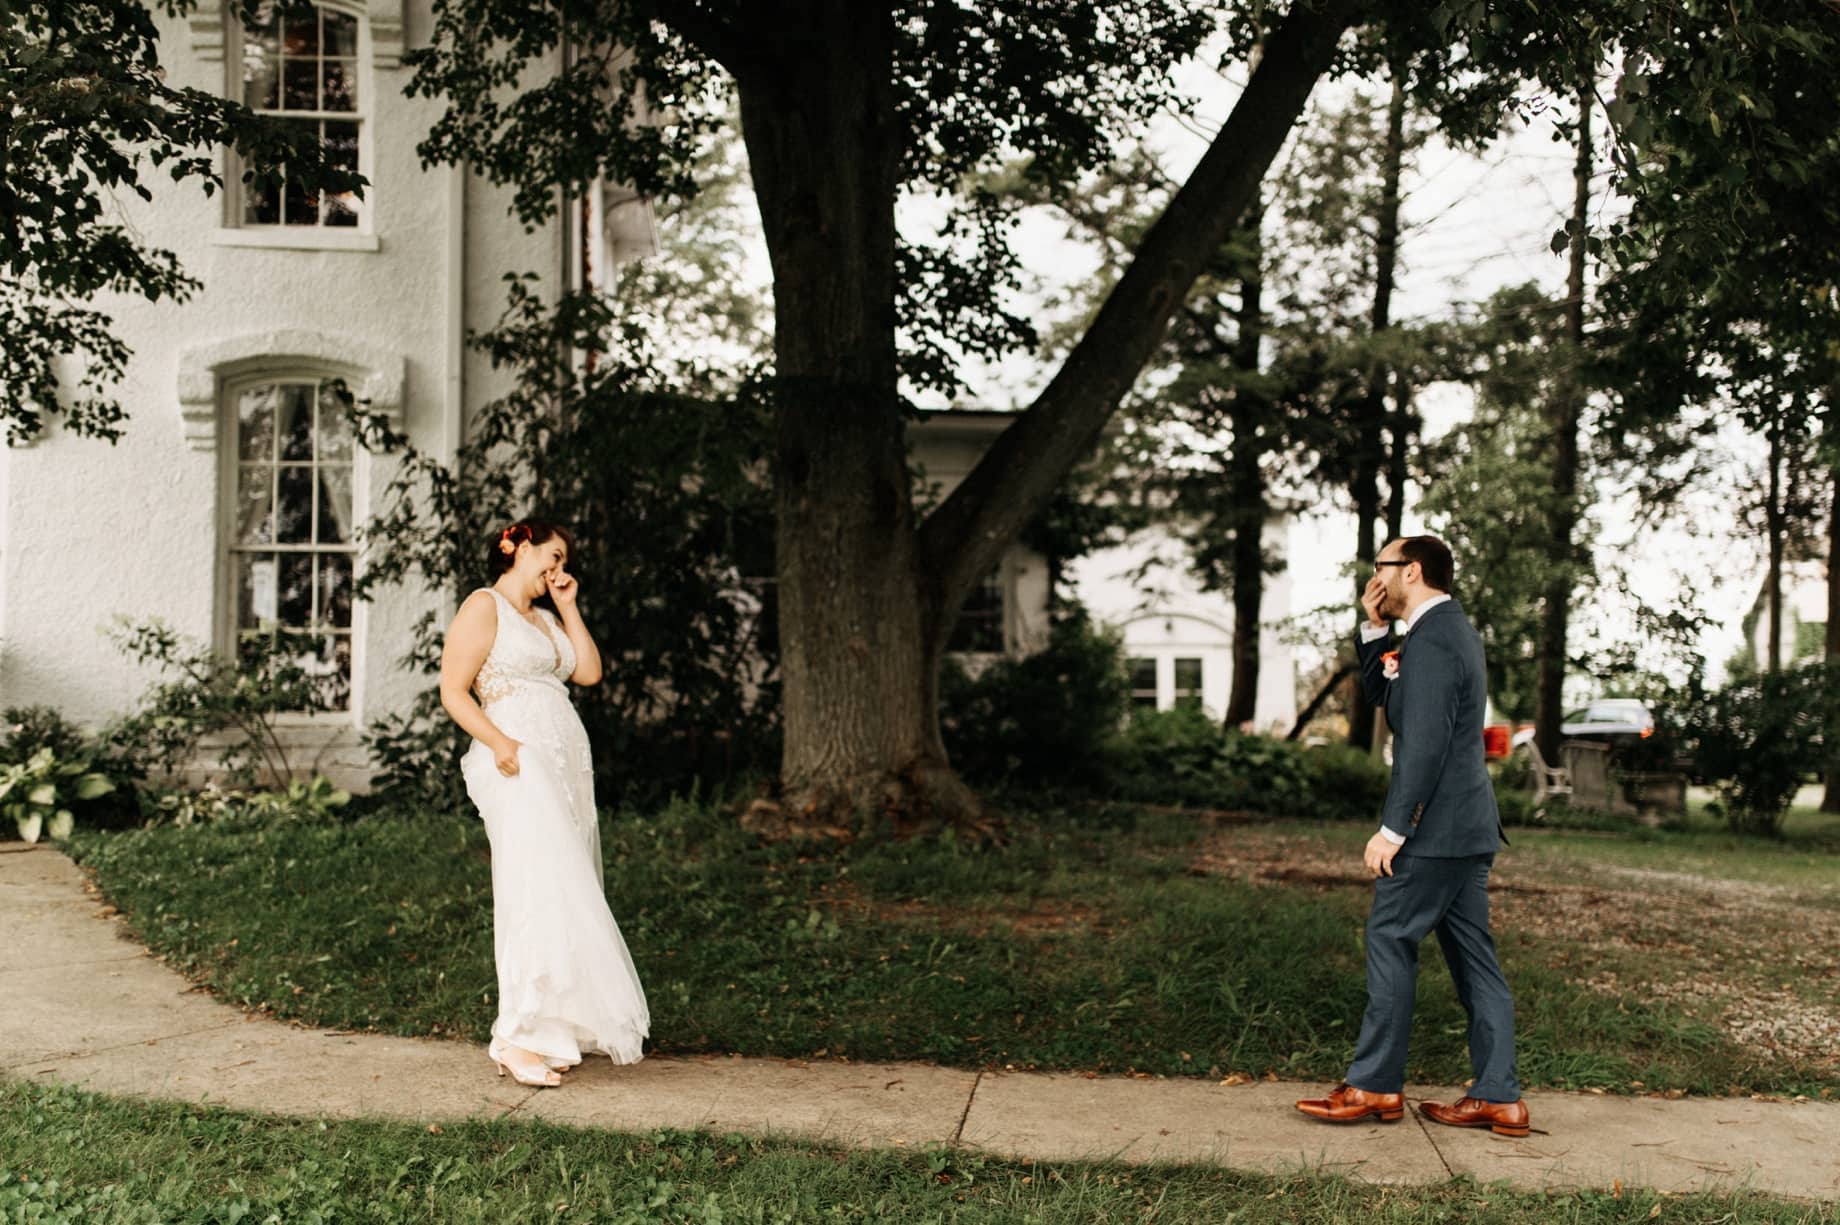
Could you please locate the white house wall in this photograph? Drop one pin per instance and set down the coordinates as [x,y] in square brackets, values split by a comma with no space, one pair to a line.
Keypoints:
[946,447]
[1144,588]
[93,531]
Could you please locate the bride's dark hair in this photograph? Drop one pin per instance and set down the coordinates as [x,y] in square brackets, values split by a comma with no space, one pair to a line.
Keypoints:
[536,531]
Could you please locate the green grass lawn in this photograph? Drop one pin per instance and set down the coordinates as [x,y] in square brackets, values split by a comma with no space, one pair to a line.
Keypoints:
[67,1156]
[1098,938]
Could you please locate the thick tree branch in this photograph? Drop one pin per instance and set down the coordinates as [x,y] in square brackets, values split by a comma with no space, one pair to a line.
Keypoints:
[964,537]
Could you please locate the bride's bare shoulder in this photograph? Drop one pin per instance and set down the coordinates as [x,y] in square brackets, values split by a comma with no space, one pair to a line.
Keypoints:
[479,611]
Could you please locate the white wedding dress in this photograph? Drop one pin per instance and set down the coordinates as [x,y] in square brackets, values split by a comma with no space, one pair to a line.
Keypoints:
[566,983]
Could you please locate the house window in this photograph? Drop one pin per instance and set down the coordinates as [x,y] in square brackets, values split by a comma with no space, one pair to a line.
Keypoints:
[1188,682]
[1143,683]
[291,546]
[980,622]
[302,65]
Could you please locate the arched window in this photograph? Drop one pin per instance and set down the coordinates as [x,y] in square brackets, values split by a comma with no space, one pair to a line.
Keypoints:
[291,546]
[308,67]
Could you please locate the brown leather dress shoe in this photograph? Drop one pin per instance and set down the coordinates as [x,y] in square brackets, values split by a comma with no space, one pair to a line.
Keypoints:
[1347,1104]
[1502,1118]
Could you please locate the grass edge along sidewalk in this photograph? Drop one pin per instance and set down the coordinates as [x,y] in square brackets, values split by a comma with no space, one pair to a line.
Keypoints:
[66,1155]
[1096,939]
[94,1011]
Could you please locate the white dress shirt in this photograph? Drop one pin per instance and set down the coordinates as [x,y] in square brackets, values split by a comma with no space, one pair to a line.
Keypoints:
[1373,633]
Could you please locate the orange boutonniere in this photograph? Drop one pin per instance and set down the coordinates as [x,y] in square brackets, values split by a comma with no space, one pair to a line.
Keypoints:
[1389,663]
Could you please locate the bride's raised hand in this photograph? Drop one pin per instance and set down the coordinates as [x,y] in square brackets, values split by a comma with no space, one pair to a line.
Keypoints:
[562,588]
[505,756]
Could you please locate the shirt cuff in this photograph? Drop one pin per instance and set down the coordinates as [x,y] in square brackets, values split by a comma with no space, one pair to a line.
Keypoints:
[1374,633]
[1390,836]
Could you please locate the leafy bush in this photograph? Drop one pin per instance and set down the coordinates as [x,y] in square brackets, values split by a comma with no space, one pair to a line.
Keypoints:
[1044,718]
[1182,756]
[1757,739]
[40,793]
[213,693]
[28,731]
[657,472]
[24,730]
[313,802]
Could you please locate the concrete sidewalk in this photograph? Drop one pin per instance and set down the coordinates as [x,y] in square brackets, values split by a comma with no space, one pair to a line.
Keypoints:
[80,1005]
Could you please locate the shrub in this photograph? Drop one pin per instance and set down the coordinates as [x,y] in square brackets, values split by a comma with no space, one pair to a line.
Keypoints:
[1041,719]
[24,730]
[212,693]
[1183,756]
[1757,739]
[313,802]
[41,793]
[27,731]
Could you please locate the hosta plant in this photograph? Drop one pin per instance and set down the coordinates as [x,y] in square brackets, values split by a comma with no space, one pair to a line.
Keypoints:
[37,793]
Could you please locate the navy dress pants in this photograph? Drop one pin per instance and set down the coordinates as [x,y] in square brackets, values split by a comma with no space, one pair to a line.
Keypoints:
[1449,897]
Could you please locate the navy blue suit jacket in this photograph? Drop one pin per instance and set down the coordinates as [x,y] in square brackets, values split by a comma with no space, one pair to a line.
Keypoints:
[1440,799]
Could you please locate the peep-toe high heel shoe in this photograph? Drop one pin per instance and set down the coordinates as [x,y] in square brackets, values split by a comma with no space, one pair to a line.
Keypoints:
[542,1076]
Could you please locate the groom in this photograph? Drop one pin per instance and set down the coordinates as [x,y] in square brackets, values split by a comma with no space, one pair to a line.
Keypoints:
[1437,839]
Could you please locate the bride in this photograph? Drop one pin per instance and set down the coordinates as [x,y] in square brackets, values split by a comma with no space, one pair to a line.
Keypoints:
[565,980]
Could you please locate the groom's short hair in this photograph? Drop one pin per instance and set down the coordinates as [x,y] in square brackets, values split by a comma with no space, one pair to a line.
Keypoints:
[1433,558]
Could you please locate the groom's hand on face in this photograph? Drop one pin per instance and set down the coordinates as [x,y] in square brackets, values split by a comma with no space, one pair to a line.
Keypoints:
[1372,598]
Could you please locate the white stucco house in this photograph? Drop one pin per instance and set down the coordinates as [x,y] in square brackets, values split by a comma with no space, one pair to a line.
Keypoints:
[1178,638]
[228,507]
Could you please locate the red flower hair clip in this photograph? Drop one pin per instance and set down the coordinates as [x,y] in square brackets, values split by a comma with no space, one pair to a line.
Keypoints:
[507,539]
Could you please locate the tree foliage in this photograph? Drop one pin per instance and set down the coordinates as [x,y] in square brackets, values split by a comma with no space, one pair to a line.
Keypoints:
[659,474]
[86,116]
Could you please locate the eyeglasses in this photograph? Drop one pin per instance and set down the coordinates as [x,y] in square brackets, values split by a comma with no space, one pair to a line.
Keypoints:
[1392,563]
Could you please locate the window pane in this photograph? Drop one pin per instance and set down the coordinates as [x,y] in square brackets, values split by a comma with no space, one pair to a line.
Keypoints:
[1143,674]
[262,202]
[256,575]
[300,85]
[294,590]
[335,589]
[334,504]
[341,33]
[298,205]
[342,151]
[255,519]
[261,79]
[294,419]
[1188,675]
[302,36]
[338,672]
[294,505]
[334,423]
[255,423]
[339,85]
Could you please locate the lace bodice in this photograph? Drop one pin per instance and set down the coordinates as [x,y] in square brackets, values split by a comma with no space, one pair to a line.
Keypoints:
[524,658]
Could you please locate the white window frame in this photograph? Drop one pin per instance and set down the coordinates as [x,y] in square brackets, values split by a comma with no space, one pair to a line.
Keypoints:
[234,231]
[229,455]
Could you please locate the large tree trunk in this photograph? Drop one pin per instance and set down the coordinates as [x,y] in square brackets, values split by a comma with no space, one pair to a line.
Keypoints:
[1246,483]
[1567,408]
[859,650]
[1371,453]
[866,601]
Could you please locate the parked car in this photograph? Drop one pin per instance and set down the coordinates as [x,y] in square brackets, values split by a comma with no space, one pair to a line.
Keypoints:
[1614,720]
